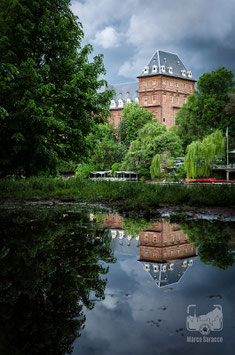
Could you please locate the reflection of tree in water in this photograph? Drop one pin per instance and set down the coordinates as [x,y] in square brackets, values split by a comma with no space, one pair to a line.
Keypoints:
[213,240]
[49,264]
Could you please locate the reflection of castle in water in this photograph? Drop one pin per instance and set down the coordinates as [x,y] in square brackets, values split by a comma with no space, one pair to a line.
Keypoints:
[163,249]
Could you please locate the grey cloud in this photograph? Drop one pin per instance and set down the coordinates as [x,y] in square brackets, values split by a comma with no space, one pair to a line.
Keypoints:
[201,32]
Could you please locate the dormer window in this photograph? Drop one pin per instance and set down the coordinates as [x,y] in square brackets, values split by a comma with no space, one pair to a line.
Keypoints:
[155,268]
[136,100]
[170,70]
[183,72]
[147,267]
[146,69]
[113,103]
[189,74]
[128,100]
[163,68]
[120,103]
[154,69]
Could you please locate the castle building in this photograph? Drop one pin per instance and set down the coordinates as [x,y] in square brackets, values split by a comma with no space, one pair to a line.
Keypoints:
[162,88]
[163,249]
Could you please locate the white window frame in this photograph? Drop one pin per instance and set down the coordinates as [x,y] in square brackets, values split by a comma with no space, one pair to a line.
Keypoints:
[189,74]
[113,103]
[154,69]
[120,103]
[146,69]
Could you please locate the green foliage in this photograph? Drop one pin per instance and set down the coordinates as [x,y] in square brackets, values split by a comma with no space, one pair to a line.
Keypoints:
[155,168]
[201,154]
[230,111]
[108,152]
[49,98]
[212,240]
[180,172]
[135,226]
[116,167]
[135,117]
[66,166]
[130,196]
[104,149]
[152,139]
[83,170]
[205,110]
[48,268]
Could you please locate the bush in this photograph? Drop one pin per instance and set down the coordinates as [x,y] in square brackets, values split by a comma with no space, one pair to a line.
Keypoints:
[83,170]
[116,167]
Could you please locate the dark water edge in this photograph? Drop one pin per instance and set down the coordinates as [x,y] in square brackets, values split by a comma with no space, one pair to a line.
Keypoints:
[89,281]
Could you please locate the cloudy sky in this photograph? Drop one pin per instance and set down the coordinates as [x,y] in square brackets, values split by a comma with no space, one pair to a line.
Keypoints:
[128,32]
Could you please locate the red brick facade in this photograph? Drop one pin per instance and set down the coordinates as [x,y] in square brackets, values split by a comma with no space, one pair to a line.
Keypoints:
[165,241]
[161,242]
[162,88]
[162,95]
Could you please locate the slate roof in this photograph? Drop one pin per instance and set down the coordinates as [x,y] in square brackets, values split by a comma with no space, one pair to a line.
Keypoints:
[125,246]
[169,276]
[125,91]
[169,60]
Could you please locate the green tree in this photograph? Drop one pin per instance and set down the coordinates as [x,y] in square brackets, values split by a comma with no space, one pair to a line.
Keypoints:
[48,270]
[49,97]
[212,240]
[104,149]
[200,155]
[205,110]
[135,117]
[152,139]
[230,111]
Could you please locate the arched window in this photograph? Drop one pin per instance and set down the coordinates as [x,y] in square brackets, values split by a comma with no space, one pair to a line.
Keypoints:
[170,70]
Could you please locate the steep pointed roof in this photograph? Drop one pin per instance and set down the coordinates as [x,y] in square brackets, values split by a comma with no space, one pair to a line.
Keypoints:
[166,63]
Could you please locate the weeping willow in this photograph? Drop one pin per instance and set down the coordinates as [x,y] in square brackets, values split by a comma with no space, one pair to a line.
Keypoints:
[200,155]
[155,168]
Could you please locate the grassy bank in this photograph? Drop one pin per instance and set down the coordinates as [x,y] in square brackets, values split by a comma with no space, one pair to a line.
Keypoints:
[125,196]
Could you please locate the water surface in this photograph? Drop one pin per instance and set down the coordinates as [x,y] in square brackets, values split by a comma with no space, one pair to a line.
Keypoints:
[85,282]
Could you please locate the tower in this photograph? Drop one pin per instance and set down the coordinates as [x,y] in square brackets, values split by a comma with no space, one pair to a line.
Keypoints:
[162,88]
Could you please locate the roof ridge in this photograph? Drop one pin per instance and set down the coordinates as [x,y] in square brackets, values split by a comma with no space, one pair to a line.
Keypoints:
[132,82]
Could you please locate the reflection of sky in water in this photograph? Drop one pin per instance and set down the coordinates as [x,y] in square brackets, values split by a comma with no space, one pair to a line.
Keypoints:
[137,317]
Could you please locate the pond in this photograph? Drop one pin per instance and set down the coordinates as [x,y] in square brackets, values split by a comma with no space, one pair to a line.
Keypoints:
[85,280]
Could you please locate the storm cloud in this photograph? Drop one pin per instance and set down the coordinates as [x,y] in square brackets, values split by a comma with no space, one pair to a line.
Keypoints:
[128,33]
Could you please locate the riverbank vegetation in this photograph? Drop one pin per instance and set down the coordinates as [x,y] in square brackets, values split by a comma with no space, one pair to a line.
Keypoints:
[125,196]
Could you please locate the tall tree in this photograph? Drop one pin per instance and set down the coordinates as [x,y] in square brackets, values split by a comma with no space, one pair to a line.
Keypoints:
[49,97]
[205,110]
[200,155]
[135,117]
[152,139]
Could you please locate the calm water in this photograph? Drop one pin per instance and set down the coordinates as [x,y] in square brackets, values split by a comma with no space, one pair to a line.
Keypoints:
[82,282]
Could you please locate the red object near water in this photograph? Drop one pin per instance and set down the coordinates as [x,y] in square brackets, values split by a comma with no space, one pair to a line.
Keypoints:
[209,180]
